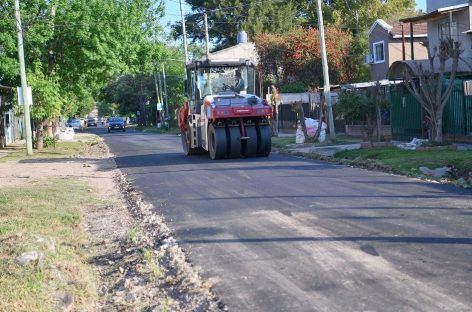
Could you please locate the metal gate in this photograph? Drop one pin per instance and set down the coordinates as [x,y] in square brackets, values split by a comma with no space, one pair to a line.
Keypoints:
[405,115]
[457,118]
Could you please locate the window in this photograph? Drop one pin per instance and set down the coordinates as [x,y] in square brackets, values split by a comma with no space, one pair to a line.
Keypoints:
[379,52]
[447,30]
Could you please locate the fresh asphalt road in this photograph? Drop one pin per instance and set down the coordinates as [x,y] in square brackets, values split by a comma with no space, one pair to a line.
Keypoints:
[288,234]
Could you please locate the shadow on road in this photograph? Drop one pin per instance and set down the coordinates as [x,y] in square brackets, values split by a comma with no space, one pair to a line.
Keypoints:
[388,239]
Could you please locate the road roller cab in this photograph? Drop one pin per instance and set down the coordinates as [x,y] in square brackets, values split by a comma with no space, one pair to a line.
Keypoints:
[224,116]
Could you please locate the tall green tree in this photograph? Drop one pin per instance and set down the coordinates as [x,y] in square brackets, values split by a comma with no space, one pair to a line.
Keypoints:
[227,17]
[74,47]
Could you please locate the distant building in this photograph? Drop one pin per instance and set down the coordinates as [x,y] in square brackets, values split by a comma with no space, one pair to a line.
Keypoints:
[444,19]
[243,50]
[10,125]
[389,43]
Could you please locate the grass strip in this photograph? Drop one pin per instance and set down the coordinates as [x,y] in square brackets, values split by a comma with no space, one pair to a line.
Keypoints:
[408,162]
[44,217]
[62,149]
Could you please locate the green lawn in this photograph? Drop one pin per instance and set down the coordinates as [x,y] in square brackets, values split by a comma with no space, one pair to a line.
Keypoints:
[63,149]
[408,162]
[282,143]
[44,217]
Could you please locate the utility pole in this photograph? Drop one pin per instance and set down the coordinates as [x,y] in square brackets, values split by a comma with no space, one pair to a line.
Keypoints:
[157,92]
[184,32]
[24,85]
[207,38]
[160,96]
[165,89]
[324,61]
[160,87]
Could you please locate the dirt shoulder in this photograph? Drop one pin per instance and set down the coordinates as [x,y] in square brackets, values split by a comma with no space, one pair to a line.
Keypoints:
[99,246]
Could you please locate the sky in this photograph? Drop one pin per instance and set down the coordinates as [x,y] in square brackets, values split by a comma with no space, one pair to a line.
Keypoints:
[172,11]
[421,4]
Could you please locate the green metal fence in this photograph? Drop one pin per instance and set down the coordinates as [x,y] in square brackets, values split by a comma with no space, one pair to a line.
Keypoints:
[407,116]
[457,118]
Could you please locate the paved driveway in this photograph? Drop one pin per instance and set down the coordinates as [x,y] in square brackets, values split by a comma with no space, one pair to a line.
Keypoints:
[287,234]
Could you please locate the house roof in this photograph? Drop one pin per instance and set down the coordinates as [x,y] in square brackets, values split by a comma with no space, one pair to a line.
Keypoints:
[363,85]
[245,50]
[402,69]
[439,13]
[382,24]
[419,30]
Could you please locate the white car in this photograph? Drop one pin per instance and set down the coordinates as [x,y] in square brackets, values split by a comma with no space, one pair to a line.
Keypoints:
[76,124]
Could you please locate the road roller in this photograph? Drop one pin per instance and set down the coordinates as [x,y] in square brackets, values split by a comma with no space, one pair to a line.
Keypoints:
[223,117]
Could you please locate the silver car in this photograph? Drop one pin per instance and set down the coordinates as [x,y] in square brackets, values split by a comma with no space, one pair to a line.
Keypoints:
[75,124]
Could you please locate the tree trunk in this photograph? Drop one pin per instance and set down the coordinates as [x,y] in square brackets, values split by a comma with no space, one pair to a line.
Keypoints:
[370,128]
[40,135]
[302,120]
[320,121]
[49,130]
[438,136]
[379,123]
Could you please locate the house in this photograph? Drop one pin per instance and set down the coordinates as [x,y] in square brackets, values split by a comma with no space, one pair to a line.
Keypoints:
[242,50]
[10,124]
[445,19]
[387,45]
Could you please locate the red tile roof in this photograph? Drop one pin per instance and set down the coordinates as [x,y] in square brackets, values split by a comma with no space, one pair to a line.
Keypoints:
[418,29]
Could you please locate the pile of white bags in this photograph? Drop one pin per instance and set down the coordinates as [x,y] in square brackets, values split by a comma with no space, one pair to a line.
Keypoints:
[299,136]
[311,127]
[65,135]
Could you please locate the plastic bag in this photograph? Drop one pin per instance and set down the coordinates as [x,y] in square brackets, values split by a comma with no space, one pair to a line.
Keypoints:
[299,137]
[312,126]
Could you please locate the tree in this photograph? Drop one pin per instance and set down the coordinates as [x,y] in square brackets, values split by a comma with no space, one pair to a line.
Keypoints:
[359,15]
[75,47]
[295,56]
[362,108]
[47,104]
[428,85]
[227,17]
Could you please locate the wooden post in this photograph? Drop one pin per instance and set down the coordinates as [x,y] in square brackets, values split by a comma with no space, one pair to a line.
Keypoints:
[412,42]
[403,44]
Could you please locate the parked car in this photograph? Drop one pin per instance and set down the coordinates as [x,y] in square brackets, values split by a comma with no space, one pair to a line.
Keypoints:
[91,122]
[116,123]
[75,123]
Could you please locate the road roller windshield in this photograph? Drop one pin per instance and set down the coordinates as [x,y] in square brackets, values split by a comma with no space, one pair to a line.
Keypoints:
[212,79]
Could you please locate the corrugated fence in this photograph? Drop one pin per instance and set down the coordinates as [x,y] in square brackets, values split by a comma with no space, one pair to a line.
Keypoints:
[407,116]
